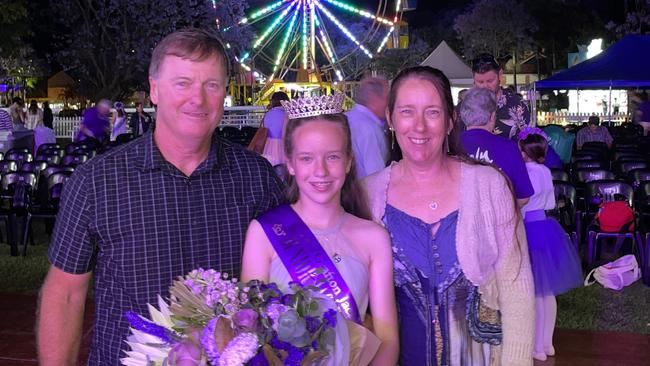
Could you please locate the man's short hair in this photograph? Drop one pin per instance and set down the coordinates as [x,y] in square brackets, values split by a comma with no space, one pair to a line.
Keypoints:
[485,62]
[190,43]
[594,120]
[369,87]
[477,107]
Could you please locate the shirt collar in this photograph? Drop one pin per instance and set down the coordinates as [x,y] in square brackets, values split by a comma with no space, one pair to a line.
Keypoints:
[152,159]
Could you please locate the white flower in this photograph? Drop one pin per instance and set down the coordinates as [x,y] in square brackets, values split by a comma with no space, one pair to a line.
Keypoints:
[239,350]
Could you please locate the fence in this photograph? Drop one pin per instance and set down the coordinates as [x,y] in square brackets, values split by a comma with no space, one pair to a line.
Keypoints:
[566,118]
[67,127]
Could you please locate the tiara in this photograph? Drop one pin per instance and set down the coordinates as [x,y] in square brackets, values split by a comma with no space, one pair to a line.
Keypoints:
[314,106]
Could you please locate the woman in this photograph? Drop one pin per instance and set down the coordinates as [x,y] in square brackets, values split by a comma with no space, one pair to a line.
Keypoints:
[458,243]
[118,120]
[275,120]
[326,198]
[48,117]
[34,116]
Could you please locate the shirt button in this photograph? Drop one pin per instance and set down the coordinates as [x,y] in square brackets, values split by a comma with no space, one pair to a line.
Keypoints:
[436,255]
[439,271]
[435,247]
[438,263]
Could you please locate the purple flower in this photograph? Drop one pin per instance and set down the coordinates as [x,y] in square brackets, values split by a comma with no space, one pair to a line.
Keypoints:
[330,317]
[313,324]
[259,360]
[245,319]
[292,329]
[186,353]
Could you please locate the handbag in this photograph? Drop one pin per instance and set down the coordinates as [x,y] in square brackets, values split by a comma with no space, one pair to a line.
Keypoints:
[259,139]
[617,274]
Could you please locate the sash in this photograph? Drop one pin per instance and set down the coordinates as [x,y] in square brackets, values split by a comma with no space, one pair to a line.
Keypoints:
[305,259]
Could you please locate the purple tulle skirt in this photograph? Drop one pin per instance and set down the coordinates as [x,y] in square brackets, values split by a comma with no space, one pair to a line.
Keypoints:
[555,263]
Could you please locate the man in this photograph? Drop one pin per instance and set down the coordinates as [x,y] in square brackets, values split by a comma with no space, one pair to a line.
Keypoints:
[95,122]
[512,113]
[593,132]
[367,126]
[140,121]
[478,112]
[16,110]
[137,217]
[5,121]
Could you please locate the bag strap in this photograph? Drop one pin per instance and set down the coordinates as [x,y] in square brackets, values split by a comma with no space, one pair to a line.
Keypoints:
[590,274]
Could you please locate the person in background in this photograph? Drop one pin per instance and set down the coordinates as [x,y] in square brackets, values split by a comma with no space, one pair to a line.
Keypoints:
[593,132]
[34,116]
[478,111]
[95,122]
[17,112]
[5,121]
[555,262]
[48,117]
[140,121]
[459,247]
[512,113]
[369,133]
[274,120]
[118,120]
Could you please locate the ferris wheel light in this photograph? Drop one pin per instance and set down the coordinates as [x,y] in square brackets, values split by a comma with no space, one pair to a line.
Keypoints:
[361,12]
[274,25]
[267,9]
[286,38]
[343,28]
[339,75]
[304,34]
[385,40]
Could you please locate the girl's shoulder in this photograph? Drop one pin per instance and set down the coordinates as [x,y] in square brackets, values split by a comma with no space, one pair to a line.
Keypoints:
[365,233]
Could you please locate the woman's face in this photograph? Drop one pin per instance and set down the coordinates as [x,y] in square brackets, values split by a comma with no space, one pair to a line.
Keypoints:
[319,161]
[419,121]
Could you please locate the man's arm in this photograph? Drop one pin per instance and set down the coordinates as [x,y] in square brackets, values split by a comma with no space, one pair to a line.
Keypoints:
[60,317]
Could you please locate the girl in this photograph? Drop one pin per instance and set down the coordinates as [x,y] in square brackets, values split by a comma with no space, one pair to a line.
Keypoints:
[274,120]
[119,120]
[34,116]
[324,195]
[554,260]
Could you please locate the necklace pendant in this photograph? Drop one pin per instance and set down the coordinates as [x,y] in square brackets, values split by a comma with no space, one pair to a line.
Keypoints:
[336,258]
[433,205]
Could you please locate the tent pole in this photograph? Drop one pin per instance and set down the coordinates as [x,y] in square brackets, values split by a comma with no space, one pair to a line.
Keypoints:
[534,106]
[609,104]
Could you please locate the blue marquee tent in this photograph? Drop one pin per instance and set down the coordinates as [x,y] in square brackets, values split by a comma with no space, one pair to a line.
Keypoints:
[625,64]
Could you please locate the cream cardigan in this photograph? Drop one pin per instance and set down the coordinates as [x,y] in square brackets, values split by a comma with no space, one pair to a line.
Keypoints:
[492,252]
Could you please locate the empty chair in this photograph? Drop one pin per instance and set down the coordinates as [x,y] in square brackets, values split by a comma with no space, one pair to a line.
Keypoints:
[19,157]
[618,156]
[595,144]
[593,164]
[8,186]
[8,166]
[565,204]
[85,144]
[626,167]
[49,208]
[50,159]
[17,150]
[52,151]
[49,146]
[74,159]
[588,175]
[581,156]
[559,174]
[636,176]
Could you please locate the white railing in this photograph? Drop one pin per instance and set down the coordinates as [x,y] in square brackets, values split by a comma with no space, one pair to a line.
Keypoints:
[66,127]
[566,118]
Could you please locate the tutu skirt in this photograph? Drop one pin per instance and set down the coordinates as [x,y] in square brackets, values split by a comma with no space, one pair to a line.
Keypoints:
[274,151]
[555,263]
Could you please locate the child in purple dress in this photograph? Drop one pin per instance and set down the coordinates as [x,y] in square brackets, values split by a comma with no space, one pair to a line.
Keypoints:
[554,260]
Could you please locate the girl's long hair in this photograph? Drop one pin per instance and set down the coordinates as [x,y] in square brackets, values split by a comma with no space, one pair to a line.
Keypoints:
[353,197]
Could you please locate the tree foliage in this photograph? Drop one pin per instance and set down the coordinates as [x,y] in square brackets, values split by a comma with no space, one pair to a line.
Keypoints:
[499,27]
[107,45]
[637,21]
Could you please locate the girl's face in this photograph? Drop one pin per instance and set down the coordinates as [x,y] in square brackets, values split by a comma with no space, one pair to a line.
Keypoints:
[419,121]
[319,161]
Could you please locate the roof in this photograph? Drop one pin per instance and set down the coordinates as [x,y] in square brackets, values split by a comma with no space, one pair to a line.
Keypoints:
[623,65]
[448,61]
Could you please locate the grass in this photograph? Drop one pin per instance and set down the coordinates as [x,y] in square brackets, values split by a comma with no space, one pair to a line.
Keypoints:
[590,308]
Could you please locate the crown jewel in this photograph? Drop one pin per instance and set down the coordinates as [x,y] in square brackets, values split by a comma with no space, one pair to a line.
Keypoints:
[314,106]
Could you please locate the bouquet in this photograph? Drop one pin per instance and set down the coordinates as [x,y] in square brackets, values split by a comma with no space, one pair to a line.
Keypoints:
[214,320]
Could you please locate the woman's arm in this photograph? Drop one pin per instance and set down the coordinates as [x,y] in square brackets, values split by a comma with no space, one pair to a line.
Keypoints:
[382,298]
[258,252]
[514,281]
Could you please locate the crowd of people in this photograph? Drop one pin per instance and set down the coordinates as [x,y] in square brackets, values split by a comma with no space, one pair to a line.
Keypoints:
[445,252]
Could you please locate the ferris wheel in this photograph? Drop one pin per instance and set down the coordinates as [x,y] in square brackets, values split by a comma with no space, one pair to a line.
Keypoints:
[310,40]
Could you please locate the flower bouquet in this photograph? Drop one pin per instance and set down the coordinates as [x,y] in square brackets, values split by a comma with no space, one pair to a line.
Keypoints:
[214,320]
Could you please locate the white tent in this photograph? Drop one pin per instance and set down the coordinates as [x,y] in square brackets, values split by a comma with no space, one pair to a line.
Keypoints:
[446,60]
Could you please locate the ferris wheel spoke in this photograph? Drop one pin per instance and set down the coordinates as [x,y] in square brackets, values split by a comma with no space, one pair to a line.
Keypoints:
[283,45]
[343,28]
[264,12]
[359,11]
[279,20]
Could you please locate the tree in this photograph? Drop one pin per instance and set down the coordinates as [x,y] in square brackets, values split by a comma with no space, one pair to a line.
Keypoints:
[500,27]
[637,20]
[107,45]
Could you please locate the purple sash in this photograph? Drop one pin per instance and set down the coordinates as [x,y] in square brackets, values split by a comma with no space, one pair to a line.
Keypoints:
[305,259]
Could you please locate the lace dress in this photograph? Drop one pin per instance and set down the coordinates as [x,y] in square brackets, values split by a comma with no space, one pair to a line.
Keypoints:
[354,272]
[433,295]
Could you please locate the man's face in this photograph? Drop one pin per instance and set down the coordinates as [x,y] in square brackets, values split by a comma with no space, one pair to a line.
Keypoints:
[380,103]
[488,80]
[189,95]
[138,108]
[593,127]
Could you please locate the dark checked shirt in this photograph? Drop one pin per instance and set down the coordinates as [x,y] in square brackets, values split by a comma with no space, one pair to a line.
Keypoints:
[138,223]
